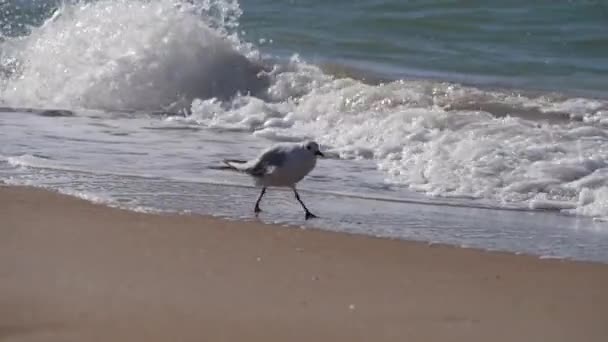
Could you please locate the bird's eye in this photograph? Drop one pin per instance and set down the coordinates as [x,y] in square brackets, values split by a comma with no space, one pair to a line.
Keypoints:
[308,147]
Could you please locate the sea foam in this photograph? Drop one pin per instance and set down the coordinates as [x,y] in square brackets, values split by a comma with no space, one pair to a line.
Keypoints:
[126,55]
[418,139]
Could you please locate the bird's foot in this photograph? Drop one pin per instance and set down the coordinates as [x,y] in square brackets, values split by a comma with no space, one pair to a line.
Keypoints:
[310,215]
[257,210]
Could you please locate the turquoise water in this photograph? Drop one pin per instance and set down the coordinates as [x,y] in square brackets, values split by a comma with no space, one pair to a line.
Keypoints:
[556,45]
[546,45]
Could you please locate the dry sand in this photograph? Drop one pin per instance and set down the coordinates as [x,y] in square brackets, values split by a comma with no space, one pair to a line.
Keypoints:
[75,271]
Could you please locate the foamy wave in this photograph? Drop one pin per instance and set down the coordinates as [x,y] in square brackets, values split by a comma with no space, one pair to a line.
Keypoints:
[28,160]
[130,54]
[108,200]
[593,202]
[426,135]
[90,197]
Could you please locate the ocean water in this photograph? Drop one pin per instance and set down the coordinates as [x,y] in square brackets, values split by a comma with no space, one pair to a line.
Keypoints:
[473,123]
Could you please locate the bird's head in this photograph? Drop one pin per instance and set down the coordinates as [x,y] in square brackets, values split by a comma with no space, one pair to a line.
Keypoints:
[313,147]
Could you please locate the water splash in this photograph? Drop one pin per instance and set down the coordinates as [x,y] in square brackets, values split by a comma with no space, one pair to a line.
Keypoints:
[130,54]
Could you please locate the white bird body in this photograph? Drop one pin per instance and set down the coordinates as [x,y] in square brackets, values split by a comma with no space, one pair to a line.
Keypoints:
[279,166]
[282,165]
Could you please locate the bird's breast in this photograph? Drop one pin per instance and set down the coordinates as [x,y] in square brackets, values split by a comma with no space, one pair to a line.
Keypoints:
[290,173]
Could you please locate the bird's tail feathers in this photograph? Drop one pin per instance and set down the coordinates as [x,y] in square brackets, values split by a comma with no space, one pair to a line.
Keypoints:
[231,164]
[234,164]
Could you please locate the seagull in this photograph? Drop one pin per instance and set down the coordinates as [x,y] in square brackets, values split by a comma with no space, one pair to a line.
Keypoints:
[283,165]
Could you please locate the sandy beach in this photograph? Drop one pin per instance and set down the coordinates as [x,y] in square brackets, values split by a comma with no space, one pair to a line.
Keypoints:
[75,271]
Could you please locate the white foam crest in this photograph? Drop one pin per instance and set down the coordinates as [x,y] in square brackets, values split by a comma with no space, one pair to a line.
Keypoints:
[28,160]
[420,139]
[593,202]
[130,54]
[96,198]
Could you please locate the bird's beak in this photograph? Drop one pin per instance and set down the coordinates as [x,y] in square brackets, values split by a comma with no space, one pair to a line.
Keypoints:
[318,153]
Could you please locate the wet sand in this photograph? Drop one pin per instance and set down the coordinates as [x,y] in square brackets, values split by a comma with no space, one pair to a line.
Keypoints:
[75,271]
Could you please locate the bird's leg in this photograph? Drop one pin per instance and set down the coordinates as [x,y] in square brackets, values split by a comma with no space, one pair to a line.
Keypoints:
[309,215]
[257,203]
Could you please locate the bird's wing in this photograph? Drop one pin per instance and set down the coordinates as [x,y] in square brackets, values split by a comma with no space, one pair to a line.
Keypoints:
[269,161]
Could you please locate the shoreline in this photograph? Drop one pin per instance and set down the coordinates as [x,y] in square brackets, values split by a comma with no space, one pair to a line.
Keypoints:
[71,270]
[115,205]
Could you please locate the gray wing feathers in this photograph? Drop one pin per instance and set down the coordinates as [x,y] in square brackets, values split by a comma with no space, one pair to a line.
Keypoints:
[267,162]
